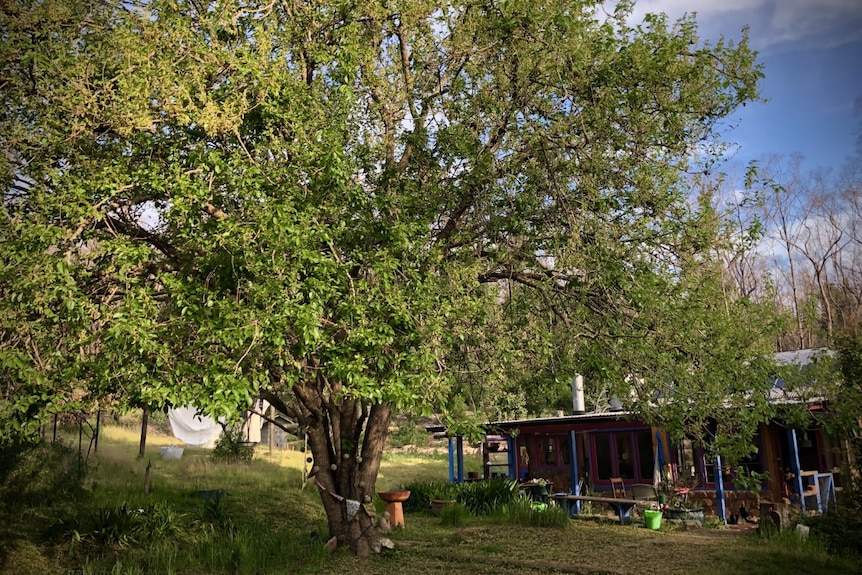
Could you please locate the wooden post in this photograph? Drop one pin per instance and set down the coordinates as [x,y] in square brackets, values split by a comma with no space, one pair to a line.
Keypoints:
[96,436]
[147,478]
[145,420]
[80,446]
[575,507]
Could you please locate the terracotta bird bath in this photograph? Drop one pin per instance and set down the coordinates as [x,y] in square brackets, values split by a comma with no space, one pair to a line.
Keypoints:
[393,501]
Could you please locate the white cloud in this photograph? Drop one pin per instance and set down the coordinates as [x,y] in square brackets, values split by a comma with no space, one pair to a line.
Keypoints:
[778,25]
[677,8]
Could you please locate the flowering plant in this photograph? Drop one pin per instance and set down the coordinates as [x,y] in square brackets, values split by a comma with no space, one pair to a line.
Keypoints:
[676,489]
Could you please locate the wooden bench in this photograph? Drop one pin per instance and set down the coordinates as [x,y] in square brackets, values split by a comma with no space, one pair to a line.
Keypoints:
[623,507]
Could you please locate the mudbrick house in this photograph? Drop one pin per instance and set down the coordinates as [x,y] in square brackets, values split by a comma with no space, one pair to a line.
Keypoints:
[603,452]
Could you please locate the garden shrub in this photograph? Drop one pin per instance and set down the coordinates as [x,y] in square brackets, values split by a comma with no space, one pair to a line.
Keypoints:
[841,529]
[231,447]
[478,497]
[483,497]
[408,434]
[40,474]
[423,492]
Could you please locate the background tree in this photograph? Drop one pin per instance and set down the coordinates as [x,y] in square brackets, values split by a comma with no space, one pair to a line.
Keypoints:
[313,202]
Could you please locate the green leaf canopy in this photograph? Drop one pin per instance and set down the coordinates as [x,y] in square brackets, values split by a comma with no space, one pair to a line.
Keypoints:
[321,202]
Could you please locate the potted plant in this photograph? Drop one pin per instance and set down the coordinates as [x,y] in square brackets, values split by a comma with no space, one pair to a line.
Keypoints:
[676,494]
[442,495]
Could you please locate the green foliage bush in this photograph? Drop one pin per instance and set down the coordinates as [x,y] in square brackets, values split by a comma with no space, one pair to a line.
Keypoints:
[478,497]
[40,474]
[714,523]
[483,497]
[408,434]
[423,492]
[231,447]
[840,529]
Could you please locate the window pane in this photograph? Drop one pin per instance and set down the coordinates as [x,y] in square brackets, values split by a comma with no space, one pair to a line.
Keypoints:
[687,465]
[751,462]
[603,455]
[625,457]
[549,451]
[645,455]
[565,451]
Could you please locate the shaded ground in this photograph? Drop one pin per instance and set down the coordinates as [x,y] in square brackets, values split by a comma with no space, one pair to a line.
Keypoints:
[588,548]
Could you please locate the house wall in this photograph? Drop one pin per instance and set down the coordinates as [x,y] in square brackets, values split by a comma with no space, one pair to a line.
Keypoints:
[772,461]
[531,446]
[542,452]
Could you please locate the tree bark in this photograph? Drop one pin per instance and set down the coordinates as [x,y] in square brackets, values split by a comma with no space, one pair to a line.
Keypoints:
[145,420]
[346,439]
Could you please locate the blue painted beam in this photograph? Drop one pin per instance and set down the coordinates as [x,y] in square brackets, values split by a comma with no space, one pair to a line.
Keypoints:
[719,490]
[513,458]
[576,486]
[794,466]
[460,458]
[451,460]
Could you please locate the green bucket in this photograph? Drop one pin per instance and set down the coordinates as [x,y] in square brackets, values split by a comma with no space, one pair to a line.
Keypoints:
[652,519]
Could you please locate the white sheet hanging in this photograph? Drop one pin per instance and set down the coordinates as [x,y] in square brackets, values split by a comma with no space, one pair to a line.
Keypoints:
[194,429]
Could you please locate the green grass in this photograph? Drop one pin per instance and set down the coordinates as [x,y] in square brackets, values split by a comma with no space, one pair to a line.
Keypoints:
[268,524]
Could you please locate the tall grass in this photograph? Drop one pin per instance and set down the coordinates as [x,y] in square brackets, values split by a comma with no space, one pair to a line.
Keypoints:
[478,497]
[266,523]
[258,549]
[522,512]
[454,515]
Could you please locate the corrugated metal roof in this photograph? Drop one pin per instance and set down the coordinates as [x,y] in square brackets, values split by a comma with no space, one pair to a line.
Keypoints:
[777,395]
[580,417]
[801,356]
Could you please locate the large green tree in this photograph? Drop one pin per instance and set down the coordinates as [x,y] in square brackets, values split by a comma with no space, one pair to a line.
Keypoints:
[319,202]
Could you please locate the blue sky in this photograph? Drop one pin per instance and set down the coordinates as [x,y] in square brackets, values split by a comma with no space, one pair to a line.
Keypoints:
[812,53]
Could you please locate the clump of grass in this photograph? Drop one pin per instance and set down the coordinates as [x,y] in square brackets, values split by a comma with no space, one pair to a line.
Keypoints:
[714,523]
[214,514]
[479,497]
[120,527]
[484,497]
[257,549]
[454,515]
[112,566]
[522,512]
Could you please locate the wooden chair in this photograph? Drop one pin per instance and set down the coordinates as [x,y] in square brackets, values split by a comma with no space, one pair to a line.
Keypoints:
[618,487]
[645,494]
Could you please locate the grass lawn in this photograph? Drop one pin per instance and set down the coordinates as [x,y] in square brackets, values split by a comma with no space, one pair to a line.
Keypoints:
[267,523]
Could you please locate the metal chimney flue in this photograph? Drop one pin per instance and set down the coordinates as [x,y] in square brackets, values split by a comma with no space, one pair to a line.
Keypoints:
[578,394]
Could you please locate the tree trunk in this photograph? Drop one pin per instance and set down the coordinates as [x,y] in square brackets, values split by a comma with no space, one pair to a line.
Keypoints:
[145,420]
[346,439]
